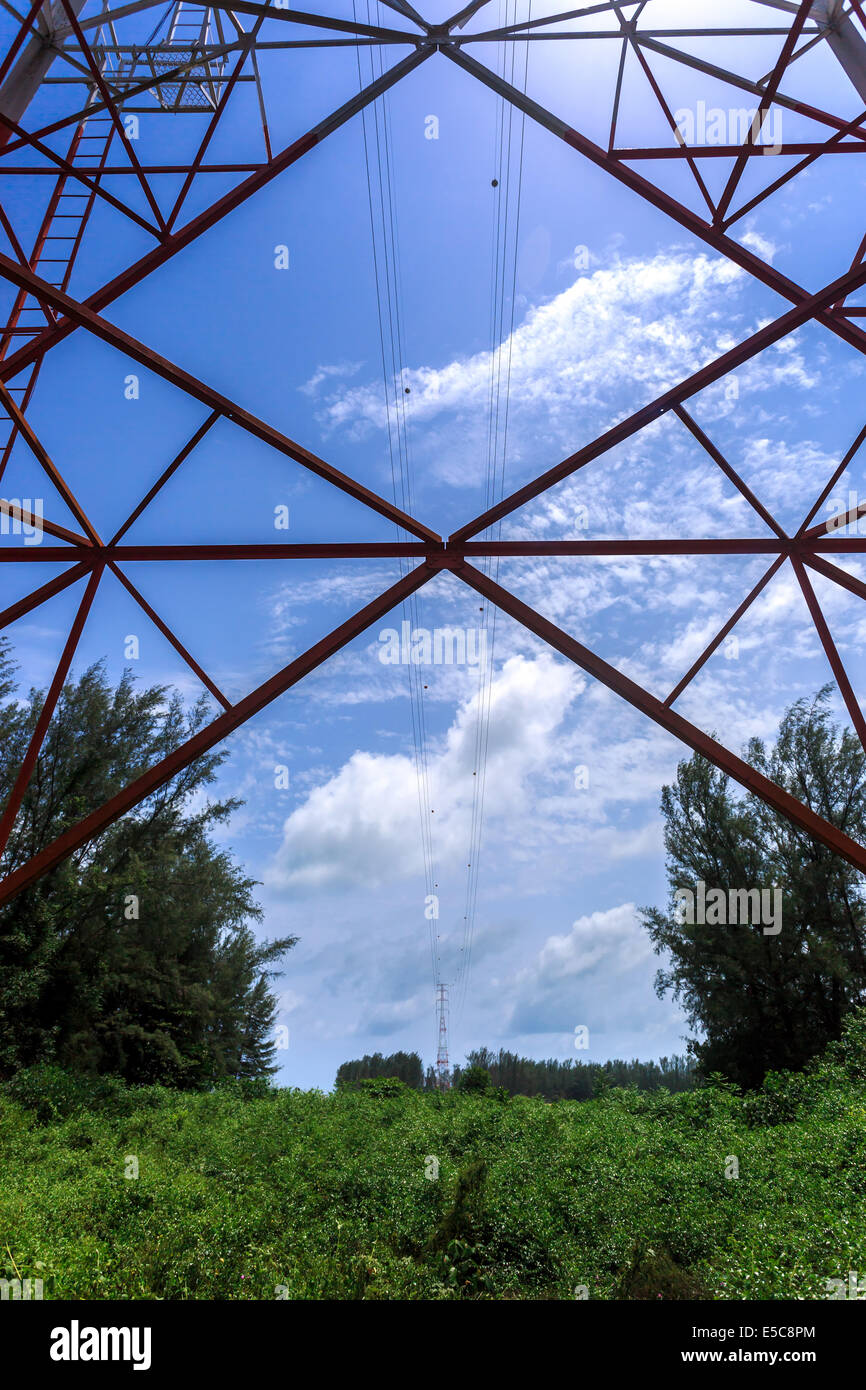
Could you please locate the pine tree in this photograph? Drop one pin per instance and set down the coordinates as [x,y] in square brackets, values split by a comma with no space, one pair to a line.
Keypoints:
[406,1066]
[135,956]
[767,1001]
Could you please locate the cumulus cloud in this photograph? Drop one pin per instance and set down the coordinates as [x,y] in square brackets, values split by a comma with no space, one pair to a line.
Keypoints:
[600,963]
[384,1019]
[642,321]
[613,340]
[361,825]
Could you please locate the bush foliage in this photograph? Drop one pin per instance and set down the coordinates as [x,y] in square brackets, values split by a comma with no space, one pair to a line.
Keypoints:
[387,1192]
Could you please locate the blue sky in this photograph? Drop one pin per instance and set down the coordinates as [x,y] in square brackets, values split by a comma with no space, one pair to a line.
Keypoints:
[557,942]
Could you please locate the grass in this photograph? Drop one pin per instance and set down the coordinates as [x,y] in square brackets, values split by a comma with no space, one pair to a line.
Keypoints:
[298,1194]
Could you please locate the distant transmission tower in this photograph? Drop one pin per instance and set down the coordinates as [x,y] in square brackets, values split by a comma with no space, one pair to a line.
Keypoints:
[443,1074]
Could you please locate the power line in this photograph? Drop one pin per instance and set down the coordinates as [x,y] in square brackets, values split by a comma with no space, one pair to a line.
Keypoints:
[384,231]
[505,254]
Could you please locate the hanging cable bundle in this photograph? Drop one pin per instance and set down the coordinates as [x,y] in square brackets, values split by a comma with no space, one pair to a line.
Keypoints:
[384,232]
[508,152]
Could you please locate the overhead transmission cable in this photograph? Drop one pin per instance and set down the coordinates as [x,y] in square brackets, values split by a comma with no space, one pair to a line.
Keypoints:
[384,231]
[505,242]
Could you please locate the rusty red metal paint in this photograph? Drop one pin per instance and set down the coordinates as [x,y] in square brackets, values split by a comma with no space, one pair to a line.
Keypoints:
[86,556]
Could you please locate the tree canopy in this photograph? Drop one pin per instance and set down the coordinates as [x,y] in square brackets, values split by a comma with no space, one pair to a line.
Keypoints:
[135,956]
[405,1066]
[765,1000]
[573,1079]
[555,1079]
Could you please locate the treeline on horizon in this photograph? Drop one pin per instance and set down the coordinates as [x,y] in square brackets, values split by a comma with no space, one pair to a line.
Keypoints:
[523,1076]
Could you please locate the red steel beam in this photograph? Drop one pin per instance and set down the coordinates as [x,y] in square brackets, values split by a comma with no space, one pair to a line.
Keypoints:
[315,550]
[195,228]
[23,31]
[705,376]
[16,796]
[169,635]
[839,576]
[681,214]
[42,458]
[836,523]
[318,21]
[723,632]
[830,484]
[775,797]
[835,660]
[440,555]
[47,591]
[167,473]
[858,257]
[718,457]
[22,259]
[114,169]
[214,400]
[29,518]
[835,145]
[666,545]
[93,824]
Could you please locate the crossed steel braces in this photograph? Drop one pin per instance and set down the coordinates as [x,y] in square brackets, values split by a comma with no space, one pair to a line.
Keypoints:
[88,555]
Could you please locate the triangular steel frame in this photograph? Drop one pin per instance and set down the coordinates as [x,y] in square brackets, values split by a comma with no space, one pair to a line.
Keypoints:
[88,555]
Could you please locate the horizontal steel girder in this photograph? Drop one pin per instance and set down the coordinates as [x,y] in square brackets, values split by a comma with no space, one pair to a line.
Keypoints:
[87,556]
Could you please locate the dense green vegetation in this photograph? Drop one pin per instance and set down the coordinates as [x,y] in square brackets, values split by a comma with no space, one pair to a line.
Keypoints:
[765,1001]
[135,956]
[251,1192]
[406,1066]
[146,1154]
[554,1078]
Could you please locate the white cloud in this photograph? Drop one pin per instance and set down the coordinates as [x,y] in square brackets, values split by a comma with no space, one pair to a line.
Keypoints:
[329,373]
[362,826]
[761,245]
[644,322]
[576,978]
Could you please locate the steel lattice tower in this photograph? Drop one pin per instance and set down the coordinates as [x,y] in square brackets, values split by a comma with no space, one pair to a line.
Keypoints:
[191,66]
[443,1068]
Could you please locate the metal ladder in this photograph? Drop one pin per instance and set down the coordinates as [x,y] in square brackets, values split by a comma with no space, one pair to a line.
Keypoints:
[63,224]
[55,248]
[190,31]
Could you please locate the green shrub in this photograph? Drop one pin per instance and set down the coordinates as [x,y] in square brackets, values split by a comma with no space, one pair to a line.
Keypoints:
[474,1080]
[336,1197]
[52,1093]
[654,1274]
[380,1087]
